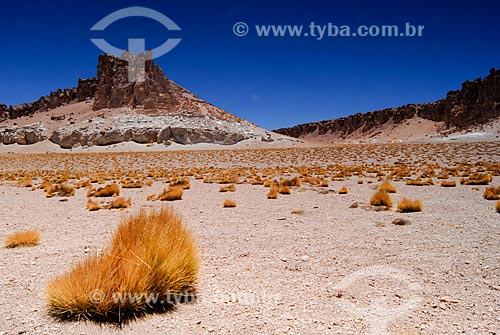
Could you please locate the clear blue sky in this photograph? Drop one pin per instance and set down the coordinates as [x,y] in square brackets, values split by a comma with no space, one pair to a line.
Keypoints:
[274,82]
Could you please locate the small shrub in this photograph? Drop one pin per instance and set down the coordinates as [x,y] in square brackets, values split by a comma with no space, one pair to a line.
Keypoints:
[343,190]
[120,203]
[408,206]
[297,212]
[62,190]
[23,239]
[381,198]
[92,205]
[448,183]
[273,191]
[132,184]
[111,190]
[229,188]
[185,183]
[492,193]
[295,181]
[388,187]
[174,193]
[284,190]
[419,182]
[229,203]
[151,252]
[497,207]
[477,179]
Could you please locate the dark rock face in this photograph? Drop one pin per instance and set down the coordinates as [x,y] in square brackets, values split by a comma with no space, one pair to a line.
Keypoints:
[477,102]
[86,89]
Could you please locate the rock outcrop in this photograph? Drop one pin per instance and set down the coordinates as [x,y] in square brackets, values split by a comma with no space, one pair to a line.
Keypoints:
[155,110]
[476,102]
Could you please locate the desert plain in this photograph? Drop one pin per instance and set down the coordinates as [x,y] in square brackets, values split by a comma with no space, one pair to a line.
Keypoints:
[314,261]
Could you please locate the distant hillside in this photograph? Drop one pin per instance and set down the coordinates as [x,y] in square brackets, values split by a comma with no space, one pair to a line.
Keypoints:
[476,103]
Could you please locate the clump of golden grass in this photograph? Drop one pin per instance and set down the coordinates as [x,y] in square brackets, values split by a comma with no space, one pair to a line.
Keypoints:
[185,183]
[408,206]
[381,198]
[477,179]
[297,212]
[497,207]
[388,187]
[492,193]
[150,265]
[23,239]
[360,181]
[132,184]
[120,202]
[229,203]
[324,183]
[343,190]
[427,182]
[174,193]
[295,181]
[111,190]
[229,188]
[448,183]
[273,191]
[62,190]
[284,190]
[92,205]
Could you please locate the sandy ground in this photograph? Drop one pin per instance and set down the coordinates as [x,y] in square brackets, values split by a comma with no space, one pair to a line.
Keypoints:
[331,270]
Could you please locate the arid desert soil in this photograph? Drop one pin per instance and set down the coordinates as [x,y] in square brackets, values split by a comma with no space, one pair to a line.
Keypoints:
[326,269]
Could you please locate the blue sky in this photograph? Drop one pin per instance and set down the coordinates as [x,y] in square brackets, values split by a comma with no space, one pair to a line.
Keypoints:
[274,82]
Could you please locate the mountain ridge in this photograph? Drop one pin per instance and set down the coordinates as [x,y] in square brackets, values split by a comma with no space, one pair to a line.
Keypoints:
[477,102]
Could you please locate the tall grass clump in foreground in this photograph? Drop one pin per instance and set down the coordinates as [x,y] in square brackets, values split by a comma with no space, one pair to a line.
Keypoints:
[151,256]
[23,239]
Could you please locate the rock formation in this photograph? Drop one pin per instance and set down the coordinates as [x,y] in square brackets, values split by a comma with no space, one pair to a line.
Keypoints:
[476,102]
[154,110]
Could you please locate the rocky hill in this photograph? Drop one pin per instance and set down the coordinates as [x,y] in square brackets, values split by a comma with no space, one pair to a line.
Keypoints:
[109,109]
[476,103]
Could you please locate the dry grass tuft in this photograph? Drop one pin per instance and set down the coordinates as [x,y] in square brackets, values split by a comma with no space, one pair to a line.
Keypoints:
[388,187]
[229,188]
[273,191]
[448,183]
[23,239]
[297,212]
[120,202]
[62,190]
[295,181]
[381,198]
[477,179]
[492,193]
[497,207]
[343,190]
[174,193]
[92,205]
[112,190]
[284,190]
[229,203]
[185,183]
[151,256]
[408,206]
